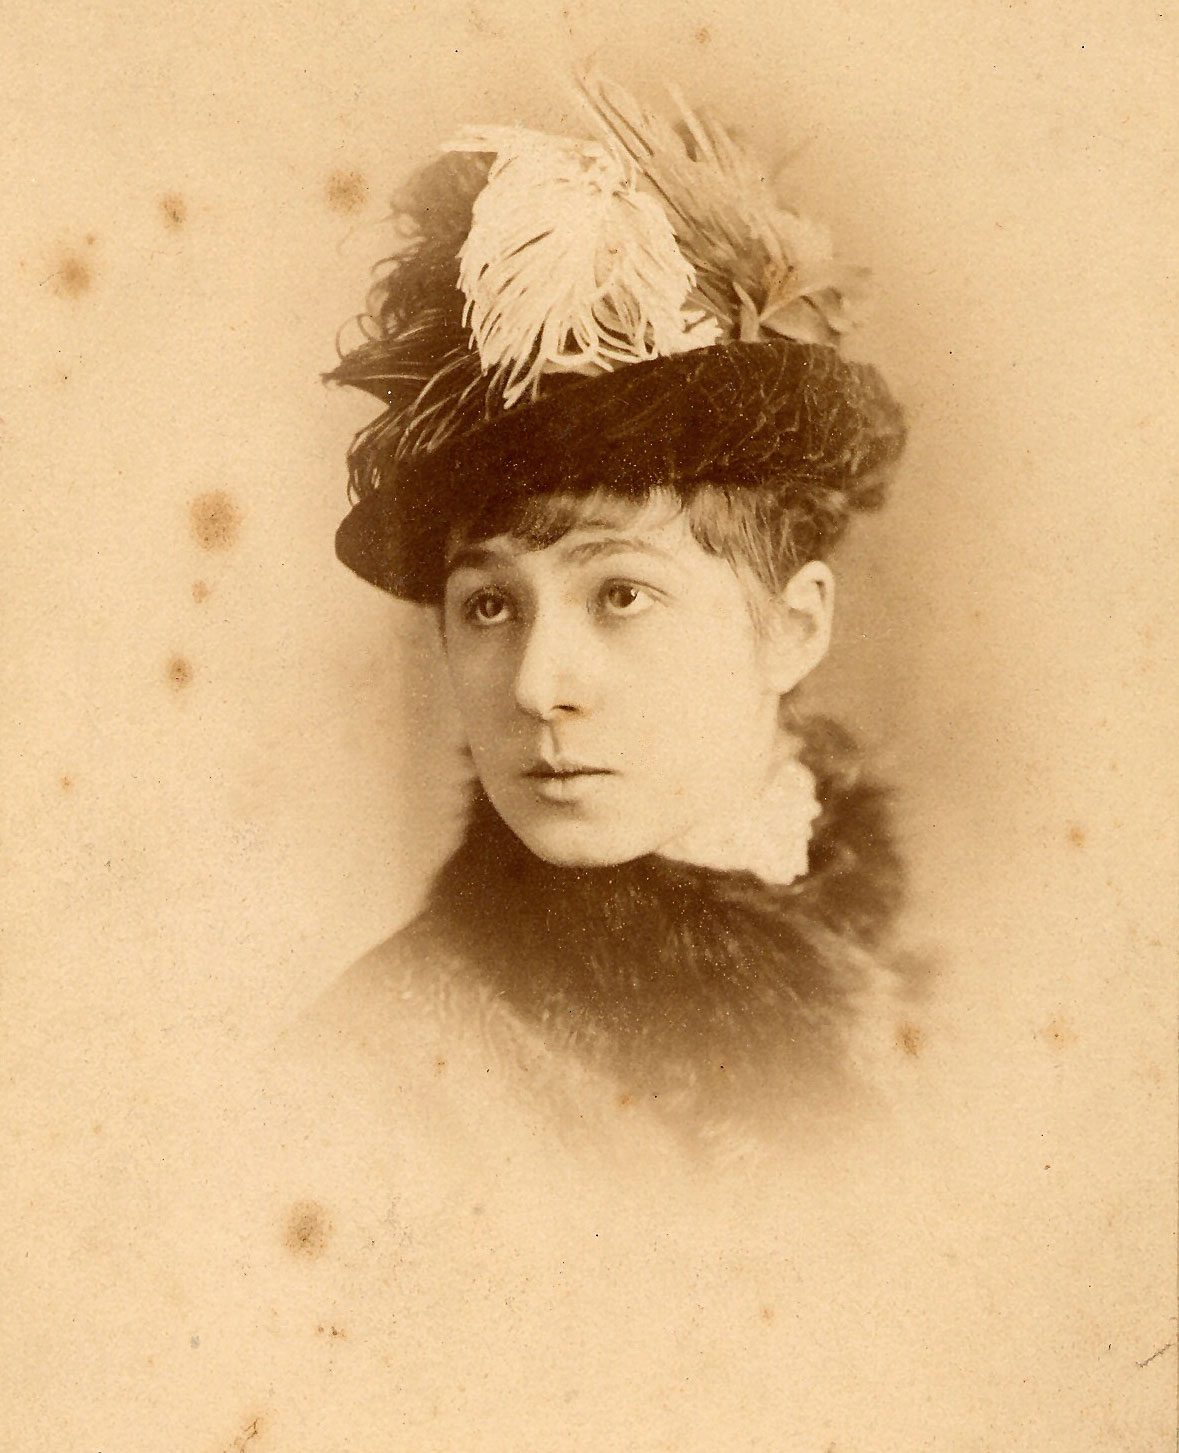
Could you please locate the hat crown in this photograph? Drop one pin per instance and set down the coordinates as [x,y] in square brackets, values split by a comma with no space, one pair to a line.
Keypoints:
[632,312]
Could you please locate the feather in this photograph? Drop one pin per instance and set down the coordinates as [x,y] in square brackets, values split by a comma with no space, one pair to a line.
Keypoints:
[417,356]
[568,266]
[522,256]
[760,267]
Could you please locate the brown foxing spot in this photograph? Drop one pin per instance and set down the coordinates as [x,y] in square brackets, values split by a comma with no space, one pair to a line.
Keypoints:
[66,783]
[1059,1033]
[307,1229]
[72,277]
[200,591]
[910,1039]
[439,1065]
[174,210]
[625,1100]
[1076,835]
[179,672]
[703,35]
[347,191]
[767,1315]
[215,520]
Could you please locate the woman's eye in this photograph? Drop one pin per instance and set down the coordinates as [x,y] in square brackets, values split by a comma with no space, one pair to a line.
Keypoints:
[621,599]
[487,608]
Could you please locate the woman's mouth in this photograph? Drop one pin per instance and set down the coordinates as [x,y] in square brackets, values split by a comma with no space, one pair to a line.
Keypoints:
[564,781]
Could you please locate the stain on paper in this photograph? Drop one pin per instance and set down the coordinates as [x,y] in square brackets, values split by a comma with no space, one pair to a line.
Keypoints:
[215,520]
[307,1229]
[174,210]
[347,192]
[252,1430]
[73,276]
[179,672]
[1059,1034]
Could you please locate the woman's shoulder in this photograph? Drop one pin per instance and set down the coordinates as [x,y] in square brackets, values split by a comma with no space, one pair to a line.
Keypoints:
[414,1034]
[417,1009]
[397,995]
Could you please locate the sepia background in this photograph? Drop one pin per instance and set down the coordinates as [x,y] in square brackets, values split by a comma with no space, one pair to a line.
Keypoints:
[224,772]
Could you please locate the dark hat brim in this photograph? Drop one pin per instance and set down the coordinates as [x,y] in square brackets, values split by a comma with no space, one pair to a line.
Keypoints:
[775,410]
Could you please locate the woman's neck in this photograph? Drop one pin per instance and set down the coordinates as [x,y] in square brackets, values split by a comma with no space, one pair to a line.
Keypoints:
[768,832]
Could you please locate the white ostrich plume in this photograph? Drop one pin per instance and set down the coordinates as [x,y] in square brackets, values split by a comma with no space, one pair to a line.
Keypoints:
[568,266]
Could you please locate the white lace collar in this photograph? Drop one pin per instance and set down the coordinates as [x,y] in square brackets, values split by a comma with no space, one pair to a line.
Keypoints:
[770,836]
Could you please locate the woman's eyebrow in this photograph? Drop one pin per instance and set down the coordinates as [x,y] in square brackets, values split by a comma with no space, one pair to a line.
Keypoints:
[472,557]
[616,545]
[475,557]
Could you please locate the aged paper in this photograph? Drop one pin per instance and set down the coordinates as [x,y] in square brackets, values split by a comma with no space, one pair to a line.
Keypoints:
[230,766]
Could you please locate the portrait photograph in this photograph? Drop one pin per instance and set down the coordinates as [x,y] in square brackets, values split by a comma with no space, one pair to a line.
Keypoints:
[589,728]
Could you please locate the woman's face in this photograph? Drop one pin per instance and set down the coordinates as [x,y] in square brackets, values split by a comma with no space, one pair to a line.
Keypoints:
[615,691]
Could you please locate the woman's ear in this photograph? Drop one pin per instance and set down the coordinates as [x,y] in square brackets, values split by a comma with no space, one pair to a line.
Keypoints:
[798,625]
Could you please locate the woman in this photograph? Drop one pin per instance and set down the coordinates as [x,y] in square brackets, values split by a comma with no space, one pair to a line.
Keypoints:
[619,443]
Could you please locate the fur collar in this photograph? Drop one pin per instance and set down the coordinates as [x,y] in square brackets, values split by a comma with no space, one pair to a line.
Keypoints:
[712,992]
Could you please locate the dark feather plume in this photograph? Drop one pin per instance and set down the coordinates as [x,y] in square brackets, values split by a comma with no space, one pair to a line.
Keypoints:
[419,360]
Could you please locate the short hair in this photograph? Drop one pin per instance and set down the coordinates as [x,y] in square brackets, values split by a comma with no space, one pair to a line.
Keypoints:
[760,533]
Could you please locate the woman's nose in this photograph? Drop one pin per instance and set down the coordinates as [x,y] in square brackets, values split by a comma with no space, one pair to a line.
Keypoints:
[554,669]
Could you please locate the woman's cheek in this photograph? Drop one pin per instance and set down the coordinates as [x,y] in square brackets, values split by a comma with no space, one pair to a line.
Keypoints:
[478,669]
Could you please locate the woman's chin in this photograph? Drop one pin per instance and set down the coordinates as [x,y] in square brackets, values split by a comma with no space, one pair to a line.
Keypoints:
[577,843]
[566,852]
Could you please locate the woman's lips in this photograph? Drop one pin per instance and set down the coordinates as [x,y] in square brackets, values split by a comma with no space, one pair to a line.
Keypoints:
[565,783]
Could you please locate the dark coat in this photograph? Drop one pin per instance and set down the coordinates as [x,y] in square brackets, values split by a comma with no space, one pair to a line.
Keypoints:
[722,1010]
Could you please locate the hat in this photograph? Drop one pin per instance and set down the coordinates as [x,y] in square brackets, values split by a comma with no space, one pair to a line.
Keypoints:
[630,313]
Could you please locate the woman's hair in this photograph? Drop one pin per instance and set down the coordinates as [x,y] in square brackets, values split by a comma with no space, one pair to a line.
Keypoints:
[759,533]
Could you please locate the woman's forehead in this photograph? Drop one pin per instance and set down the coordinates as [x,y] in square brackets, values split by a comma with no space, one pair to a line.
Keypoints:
[580,546]
[576,528]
